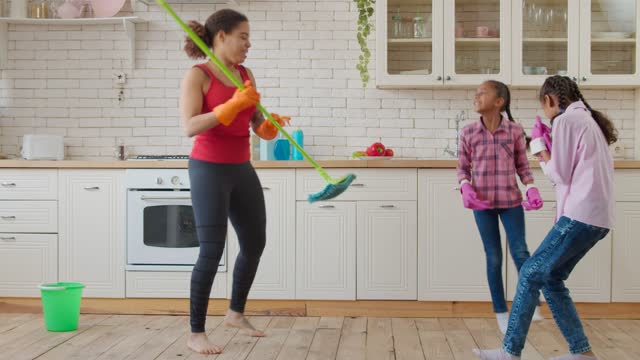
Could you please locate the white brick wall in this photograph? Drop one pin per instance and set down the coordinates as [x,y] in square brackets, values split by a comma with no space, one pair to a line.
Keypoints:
[60,80]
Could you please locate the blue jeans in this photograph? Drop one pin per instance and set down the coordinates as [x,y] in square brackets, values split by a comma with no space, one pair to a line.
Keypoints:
[548,268]
[513,222]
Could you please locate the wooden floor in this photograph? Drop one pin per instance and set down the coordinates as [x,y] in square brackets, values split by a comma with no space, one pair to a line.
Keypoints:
[23,336]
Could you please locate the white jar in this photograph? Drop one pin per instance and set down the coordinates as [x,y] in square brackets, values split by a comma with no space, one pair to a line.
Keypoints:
[18,9]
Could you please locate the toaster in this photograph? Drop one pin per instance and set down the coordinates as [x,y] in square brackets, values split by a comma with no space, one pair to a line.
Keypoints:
[42,147]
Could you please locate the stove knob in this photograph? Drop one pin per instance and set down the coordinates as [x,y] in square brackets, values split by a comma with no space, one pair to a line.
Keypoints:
[175,180]
[159,180]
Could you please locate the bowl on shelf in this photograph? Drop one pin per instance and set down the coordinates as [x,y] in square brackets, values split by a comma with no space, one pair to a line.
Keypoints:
[107,8]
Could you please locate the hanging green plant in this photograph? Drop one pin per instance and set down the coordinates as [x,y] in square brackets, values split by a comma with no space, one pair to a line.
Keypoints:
[365,14]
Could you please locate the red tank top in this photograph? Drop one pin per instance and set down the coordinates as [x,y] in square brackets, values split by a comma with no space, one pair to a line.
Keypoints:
[223,144]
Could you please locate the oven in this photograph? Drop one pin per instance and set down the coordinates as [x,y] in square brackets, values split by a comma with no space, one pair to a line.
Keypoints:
[161,231]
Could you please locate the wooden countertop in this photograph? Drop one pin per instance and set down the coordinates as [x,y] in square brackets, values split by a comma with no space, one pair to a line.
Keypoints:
[177,164]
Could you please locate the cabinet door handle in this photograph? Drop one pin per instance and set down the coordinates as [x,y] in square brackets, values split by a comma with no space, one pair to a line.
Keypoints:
[574,78]
[584,78]
[8,184]
[90,188]
[266,188]
[8,217]
[8,238]
[357,185]
[388,206]
[327,207]
[439,78]
[448,78]
[144,198]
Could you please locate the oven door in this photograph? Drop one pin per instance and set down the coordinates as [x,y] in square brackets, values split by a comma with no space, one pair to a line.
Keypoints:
[161,229]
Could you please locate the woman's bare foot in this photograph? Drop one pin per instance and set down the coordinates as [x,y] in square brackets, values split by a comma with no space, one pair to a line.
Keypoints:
[199,342]
[237,320]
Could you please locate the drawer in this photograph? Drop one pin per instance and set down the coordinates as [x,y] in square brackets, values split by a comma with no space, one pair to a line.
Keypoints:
[370,184]
[26,261]
[29,184]
[169,284]
[28,216]
[626,185]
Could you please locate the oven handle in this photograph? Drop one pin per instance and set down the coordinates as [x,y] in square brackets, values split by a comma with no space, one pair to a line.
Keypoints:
[144,197]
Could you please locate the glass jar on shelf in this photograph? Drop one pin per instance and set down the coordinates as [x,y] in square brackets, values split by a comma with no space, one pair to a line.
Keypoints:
[396,25]
[419,27]
[39,9]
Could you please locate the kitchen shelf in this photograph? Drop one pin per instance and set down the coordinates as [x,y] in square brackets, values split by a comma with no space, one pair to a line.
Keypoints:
[630,41]
[128,24]
[230,2]
[545,40]
[477,40]
[410,41]
[88,21]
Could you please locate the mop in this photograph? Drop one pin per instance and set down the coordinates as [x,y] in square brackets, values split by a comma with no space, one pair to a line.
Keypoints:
[334,187]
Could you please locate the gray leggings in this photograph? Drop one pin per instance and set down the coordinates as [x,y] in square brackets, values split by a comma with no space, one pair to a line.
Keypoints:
[222,192]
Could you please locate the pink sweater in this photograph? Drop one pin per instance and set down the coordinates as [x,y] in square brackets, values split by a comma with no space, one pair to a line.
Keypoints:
[581,168]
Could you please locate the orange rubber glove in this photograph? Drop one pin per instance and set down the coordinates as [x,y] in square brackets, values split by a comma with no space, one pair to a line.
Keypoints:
[241,100]
[267,130]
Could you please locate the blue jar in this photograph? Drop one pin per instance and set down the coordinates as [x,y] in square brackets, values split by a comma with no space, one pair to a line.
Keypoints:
[282,150]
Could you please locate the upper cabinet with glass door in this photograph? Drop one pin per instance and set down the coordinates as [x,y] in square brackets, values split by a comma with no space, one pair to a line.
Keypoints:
[477,41]
[609,42]
[409,43]
[545,40]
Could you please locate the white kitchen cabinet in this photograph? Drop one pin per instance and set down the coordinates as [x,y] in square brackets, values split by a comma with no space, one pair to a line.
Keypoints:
[370,184]
[92,230]
[28,184]
[592,41]
[590,280]
[546,40]
[29,216]
[326,250]
[401,58]
[387,250]
[26,261]
[471,55]
[28,230]
[609,48]
[626,252]
[276,274]
[451,259]
[465,42]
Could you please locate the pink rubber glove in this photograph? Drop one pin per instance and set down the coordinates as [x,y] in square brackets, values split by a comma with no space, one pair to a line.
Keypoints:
[540,130]
[534,200]
[470,198]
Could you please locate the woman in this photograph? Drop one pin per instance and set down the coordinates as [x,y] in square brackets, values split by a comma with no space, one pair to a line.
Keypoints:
[224,185]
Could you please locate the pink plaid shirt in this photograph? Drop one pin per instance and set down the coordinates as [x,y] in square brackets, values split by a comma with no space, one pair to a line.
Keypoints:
[490,162]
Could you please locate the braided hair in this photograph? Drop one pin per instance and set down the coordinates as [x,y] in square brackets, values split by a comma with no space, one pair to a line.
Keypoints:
[567,92]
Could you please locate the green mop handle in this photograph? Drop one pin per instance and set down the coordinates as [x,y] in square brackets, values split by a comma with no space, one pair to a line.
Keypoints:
[196,39]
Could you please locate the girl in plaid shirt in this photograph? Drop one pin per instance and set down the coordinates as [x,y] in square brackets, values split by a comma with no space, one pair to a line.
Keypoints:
[581,168]
[491,152]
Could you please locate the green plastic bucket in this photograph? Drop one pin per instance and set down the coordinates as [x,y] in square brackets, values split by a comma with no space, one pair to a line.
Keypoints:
[61,305]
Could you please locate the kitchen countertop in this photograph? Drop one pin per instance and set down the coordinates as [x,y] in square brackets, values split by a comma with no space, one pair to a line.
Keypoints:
[178,164]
